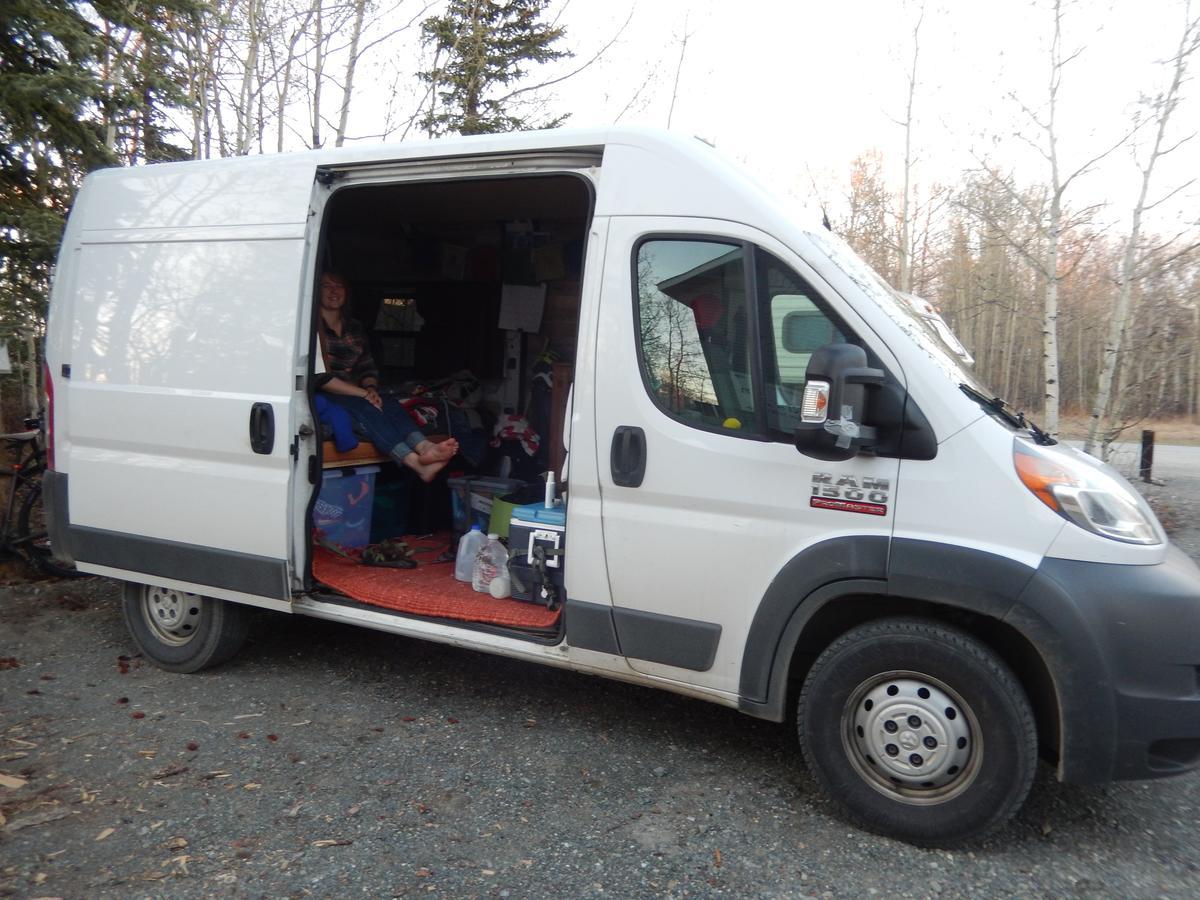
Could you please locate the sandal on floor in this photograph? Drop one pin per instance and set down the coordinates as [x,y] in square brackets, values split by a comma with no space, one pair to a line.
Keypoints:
[389,554]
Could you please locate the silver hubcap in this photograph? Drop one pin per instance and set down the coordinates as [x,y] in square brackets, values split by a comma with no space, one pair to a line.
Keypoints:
[912,738]
[172,615]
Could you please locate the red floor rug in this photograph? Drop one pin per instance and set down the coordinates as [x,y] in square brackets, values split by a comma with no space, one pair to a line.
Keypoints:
[428,590]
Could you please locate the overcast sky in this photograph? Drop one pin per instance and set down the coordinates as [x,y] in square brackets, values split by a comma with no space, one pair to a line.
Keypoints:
[795,90]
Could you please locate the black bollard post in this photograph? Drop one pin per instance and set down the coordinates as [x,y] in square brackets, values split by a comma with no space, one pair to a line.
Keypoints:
[1147,462]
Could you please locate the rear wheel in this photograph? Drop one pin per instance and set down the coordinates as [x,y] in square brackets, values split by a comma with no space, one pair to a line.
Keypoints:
[32,536]
[183,632]
[918,731]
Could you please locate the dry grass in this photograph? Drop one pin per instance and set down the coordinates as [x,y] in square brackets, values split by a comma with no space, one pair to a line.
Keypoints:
[1182,430]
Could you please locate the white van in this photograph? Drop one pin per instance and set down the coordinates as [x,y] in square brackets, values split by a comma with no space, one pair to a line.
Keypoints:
[785,492]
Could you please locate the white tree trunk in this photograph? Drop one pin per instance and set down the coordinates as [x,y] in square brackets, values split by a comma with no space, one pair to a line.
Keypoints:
[905,214]
[1050,321]
[1164,105]
[360,9]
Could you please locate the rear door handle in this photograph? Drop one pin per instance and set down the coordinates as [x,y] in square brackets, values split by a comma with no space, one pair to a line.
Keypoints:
[627,458]
[262,428]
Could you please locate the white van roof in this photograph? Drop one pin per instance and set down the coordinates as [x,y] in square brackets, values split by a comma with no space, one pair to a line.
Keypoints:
[644,172]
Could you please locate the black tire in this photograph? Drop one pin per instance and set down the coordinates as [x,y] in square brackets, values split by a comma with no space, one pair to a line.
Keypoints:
[32,537]
[880,696]
[183,632]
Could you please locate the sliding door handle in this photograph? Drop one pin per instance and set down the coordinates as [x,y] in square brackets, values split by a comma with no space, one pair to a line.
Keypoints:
[262,428]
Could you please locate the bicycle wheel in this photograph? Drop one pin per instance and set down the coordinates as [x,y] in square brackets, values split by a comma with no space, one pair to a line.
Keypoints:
[32,538]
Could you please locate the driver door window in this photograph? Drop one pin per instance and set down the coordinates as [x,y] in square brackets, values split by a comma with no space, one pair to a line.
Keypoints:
[697,336]
[693,332]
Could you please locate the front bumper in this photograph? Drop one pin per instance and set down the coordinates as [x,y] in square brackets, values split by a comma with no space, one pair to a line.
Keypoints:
[1123,647]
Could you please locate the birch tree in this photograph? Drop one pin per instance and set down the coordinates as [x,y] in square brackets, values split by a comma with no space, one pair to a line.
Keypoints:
[1160,109]
[1052,218]
[906,241]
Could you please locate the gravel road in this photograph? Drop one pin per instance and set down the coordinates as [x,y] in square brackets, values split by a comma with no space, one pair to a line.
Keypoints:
[331,761]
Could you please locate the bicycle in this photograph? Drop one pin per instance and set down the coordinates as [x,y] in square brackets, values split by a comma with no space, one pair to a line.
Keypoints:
[26,535]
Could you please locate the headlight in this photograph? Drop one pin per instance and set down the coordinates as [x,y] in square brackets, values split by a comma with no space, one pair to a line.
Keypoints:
[1091,497]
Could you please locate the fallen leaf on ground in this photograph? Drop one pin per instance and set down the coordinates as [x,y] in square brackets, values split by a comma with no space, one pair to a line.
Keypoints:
[12,782]
[332,842]
[272,737]
[298,724]
[10,757]
[193,746]
[170,771]
[248,716]
[180,863]
[423,872]
[137,714]
[531,723]
[28,745]
[9,662]
[295,810]
[717,858]
[176,843]
[252,786]
[105,833]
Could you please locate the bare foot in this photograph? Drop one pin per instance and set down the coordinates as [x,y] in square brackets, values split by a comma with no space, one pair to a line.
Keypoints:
[429,452]
[425,471]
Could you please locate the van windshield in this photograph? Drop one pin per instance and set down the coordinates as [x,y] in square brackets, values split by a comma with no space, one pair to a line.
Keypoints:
[944,348]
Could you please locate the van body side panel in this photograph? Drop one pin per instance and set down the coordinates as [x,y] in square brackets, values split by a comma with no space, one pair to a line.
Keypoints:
[587,573]
[219,194]
[174,343]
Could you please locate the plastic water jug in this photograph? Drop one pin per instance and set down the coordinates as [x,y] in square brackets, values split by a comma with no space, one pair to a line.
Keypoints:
[491,561]
[469,546]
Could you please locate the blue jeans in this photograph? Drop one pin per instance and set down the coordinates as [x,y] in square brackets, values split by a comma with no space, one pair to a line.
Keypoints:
[392,430]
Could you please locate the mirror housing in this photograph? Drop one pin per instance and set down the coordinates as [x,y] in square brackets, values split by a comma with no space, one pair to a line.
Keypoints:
[835,403]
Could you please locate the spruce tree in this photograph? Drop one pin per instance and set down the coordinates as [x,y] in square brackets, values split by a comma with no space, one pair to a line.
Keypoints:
[49,138]
[480,45]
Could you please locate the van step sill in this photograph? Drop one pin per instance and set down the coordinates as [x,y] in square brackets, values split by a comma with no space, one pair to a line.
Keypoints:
[339,608]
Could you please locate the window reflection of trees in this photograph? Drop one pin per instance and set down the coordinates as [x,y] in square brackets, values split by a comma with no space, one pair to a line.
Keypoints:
[673,347]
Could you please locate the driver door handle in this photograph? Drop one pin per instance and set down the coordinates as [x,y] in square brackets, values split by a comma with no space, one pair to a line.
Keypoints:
[627,458]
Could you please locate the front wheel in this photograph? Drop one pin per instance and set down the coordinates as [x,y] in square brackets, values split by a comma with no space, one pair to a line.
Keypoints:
[183,632]
[918,731]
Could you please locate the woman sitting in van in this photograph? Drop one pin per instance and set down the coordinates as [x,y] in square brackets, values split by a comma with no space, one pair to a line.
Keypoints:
[351,380]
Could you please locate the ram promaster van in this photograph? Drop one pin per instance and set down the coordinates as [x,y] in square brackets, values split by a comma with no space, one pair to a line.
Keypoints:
[781,489]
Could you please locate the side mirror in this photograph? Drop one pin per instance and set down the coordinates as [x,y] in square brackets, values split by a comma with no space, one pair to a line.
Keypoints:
[834,406]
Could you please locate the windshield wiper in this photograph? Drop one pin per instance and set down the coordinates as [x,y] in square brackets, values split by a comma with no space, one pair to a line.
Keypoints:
[1016,419]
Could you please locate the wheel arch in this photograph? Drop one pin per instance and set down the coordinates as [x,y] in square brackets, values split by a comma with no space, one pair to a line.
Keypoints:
[969,589]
